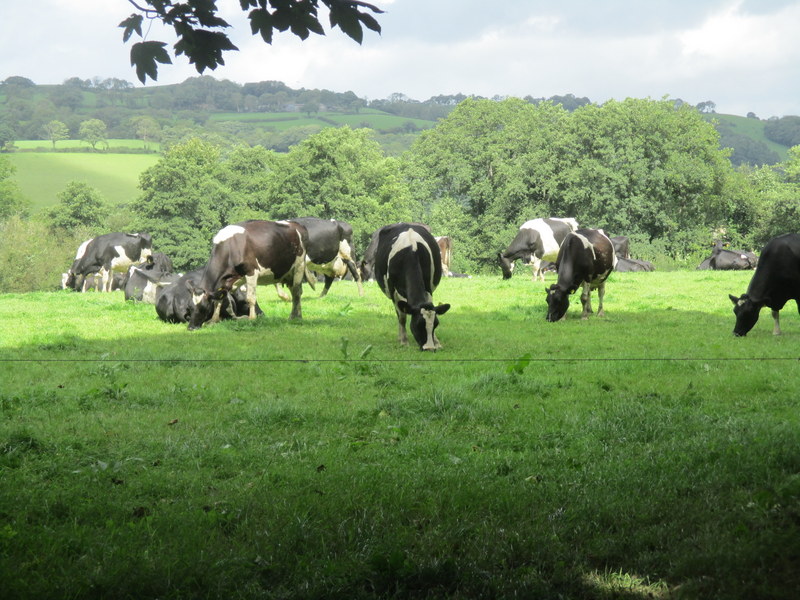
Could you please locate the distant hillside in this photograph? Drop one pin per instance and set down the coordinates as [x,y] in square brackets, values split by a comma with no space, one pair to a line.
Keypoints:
[746,137]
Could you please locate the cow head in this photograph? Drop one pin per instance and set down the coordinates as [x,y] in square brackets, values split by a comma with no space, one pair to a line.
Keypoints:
[424,321]
[746,312]
[202,305]
[506,265]
[557,303]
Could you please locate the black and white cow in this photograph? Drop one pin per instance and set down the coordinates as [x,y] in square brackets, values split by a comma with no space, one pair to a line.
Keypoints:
[775,282]
[173,302]
[108,253]
[722,259]
[408,267]
[256,251]
[330,250]
[367,266]
[536,240]
[621,246]
[628,265]
[585,260]
[142,285]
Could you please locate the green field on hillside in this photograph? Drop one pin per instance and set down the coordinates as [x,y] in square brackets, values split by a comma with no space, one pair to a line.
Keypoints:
[647,454]
[63,144]
[281,121]
[42,175]
[752,128]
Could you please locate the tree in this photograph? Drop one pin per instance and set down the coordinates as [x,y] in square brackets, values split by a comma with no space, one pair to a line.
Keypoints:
[56,131]
[200,31]
[93,132]
[79,205]
[147,130]
[12,202]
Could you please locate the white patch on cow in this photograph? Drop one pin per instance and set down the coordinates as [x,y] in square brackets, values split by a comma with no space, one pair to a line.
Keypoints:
[149,292]
[227,233]
[82,249]
[122,260]
[430,317]
[197,299]
[282,222]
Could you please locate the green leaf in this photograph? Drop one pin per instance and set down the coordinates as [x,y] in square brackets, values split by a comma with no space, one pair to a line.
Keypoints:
[261,22]
[145,55]
[130,25]
[519,366]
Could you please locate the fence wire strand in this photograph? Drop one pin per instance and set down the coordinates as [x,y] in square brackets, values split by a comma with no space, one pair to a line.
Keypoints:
[516,359]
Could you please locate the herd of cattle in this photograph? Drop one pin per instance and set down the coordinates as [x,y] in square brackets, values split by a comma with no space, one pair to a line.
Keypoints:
[405,259]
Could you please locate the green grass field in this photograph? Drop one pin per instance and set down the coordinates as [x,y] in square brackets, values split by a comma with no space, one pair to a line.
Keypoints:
[753,128]
[282,121]
[648,454]
[43,175]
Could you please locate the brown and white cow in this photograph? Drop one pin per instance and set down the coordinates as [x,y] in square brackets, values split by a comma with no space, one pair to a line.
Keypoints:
[586,259]
[264,252]
[446,250]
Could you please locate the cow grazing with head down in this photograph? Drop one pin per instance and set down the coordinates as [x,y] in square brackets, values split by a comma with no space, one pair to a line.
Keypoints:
[775,282]
[106,254]
[536,240]
[257,251]
[585,259]
[367,266]
[408,267]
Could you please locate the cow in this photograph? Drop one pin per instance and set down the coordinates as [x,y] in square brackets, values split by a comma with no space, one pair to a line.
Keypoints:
[775,282]
[722,259]
[621,246]
[142,284]
[330,250]
[627,265]
[585,259]
[367,265]
[408,267]
[173,301]
[256,251]
[106,254]
[536,240]
[445,244]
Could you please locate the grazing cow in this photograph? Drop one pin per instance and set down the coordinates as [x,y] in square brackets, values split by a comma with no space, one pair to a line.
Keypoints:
[142,285]
[108,253]
[446,250]
[627,265]
[775,282]
[367,266]
[256,251]
[330,250]
[408,268]
[728,260]
[536,240]
[621,246]
[585,259]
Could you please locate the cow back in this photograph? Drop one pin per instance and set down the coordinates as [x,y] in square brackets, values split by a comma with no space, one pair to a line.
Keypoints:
[407,261]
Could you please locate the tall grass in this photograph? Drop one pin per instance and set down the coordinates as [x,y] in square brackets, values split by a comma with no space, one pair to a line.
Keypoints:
[646,454]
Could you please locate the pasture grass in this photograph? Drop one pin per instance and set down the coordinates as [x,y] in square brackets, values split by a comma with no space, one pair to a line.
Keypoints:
[648,454]
[41,176]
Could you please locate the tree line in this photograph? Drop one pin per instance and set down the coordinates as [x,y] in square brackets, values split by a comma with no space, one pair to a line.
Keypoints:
[651,170]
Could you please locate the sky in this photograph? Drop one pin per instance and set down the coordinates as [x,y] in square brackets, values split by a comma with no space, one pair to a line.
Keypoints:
[743,55]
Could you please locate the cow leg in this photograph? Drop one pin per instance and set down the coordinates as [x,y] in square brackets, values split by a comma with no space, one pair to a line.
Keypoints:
[401,331]
[105,279]
[251,281]
[281,293]
[586,300]
[328,282]
[601,291]
[776,317]
[356,275]
[215,317]
[536,267]
[300,273]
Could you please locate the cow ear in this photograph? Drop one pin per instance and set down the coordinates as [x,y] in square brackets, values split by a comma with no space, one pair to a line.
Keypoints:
[403,306]
[733,298]
[441,309]
[189,283]
[220,294]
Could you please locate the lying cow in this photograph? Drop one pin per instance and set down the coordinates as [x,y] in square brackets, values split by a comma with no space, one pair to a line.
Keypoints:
[628,265]
[106,254]
[173,301]
[775,282]
[722,259]
[585,259]
[265,252]
[142,285]
[408,267]
[537,240]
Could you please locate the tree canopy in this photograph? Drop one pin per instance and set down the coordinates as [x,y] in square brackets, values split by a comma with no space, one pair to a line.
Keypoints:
[201,33]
